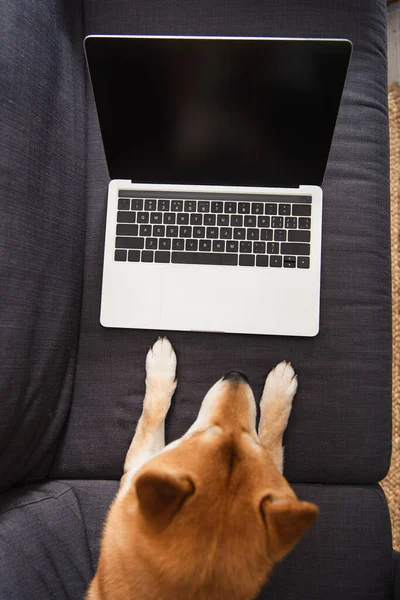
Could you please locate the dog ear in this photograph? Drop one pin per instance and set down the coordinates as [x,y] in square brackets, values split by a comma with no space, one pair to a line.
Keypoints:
[286,522]
[161,495]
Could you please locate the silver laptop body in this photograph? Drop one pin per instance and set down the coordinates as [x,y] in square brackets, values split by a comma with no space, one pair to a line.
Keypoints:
[216,149]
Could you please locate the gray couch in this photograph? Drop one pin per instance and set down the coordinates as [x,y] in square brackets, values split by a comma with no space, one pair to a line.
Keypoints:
[71,391]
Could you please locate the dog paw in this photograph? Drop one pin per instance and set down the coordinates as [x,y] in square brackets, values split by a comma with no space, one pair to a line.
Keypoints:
[280,387]
[161,368]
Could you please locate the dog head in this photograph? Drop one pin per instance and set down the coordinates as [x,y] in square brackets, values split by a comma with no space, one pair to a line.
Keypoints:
[210,515]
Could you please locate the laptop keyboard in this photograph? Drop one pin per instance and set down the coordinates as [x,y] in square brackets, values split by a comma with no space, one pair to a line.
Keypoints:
[272,233]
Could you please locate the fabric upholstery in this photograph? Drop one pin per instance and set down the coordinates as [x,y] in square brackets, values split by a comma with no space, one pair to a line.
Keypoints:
[396,576]
[49,543]
[340,428]
[42,228]
[43,547]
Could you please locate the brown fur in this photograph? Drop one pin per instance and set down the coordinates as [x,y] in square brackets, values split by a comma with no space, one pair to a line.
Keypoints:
[205,520]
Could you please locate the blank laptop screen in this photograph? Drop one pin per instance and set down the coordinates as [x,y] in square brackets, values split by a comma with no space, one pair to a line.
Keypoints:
[254,112]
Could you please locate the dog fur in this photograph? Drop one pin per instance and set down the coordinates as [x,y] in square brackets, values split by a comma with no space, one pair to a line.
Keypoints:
[208,516]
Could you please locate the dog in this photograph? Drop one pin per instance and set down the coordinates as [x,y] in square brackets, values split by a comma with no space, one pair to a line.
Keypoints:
[208,516]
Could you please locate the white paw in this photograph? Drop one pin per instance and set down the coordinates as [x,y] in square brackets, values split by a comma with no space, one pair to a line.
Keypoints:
[161,365]
[280,386]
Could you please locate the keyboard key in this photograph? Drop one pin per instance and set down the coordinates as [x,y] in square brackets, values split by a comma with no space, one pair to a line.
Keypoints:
[191,245]
[203,207]
[275,261]
[156,218]
[164,244]
[172,231]
[209,219]
[177,205]
[129,242]
[263,221]
[223,220]
[158,230]
[266,234]
[127,229]
[151,244]
[126,217]
[245,247]
[257,208]
[190,206]
[239,233]
[232,246]
[225,233]
[182,219]
[273,248]
[147,256]
[299,235]
[203,258]
[120,255]
[204,246]
[196,219]
[291,222]
[259,247]
[124,204]
[289,248]
[289,264]
[270,209]
[163,257]
[137,204]
[169,218]
[185,232]
[150,205]
[301,210]
[277,222]
[142,217]
[284,209]
[236,221]
[218,246]
[199,232]
[253,234]
[230,207]
[145,230]
[244,208]
[304,223]
[163,205]
[212,232]
[303,262]
[280,235]
[217,207]
[291,259]
[246,260]
[262,261]
[178,244]
[134,256]
[250,221]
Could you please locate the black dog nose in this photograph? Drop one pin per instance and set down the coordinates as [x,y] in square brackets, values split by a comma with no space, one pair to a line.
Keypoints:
[235,376]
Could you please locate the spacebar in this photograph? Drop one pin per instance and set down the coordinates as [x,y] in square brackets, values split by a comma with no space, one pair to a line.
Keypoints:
[202,258]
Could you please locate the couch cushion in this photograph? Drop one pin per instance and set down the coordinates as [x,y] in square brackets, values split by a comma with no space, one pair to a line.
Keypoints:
[340,429]
[44,551]
[49,543]
[42,228]
[347,553]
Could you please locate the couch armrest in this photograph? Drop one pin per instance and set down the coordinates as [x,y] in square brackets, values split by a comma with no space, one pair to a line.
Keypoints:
[396,575]
[41,227]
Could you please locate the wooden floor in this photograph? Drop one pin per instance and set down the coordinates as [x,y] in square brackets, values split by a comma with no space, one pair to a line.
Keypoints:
[394,42]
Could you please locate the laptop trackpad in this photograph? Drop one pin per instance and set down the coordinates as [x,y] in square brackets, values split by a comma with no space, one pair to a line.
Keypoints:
[227,299]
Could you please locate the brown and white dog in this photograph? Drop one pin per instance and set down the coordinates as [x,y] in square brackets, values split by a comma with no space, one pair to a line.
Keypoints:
[208,516]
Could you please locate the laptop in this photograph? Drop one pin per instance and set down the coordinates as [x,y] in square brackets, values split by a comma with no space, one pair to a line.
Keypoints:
[216,149]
